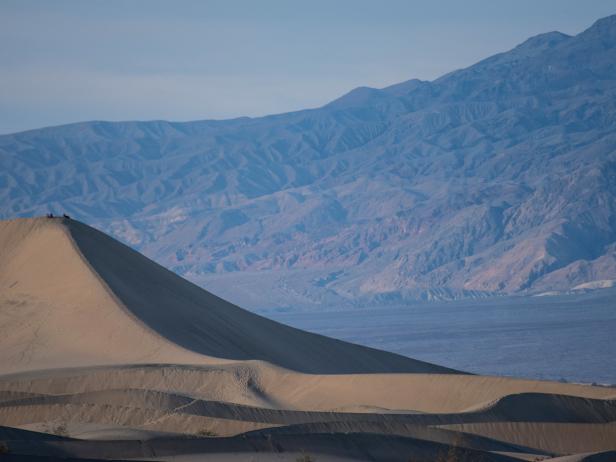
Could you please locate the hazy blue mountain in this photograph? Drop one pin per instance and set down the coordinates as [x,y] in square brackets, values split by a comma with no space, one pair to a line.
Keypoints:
[497,178]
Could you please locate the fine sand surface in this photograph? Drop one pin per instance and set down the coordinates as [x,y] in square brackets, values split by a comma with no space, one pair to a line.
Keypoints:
[606,456]
[120,358]
[73,296]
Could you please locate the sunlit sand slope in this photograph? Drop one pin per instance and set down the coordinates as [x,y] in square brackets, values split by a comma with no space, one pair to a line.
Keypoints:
[73,296]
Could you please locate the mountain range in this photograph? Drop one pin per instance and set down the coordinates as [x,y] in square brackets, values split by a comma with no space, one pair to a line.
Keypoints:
[495,179]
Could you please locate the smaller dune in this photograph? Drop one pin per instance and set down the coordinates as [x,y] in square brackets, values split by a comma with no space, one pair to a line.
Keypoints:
[606,456]
[556,438]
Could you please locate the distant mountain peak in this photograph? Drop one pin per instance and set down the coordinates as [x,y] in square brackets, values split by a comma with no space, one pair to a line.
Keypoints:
[359,96]
[404,88]
[543,41]
[604,27]
[609,22]
[368,96]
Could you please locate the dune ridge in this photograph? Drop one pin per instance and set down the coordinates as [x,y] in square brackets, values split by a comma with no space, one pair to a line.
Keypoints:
[89,283]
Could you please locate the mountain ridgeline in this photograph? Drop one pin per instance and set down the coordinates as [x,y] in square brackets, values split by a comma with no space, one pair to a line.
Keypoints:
[498,178]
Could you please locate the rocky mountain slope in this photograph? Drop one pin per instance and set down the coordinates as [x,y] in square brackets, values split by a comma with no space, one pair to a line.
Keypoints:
[497,178]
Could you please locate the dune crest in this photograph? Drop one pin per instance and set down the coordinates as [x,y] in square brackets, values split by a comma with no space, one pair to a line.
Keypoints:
[73,296]
[56,312]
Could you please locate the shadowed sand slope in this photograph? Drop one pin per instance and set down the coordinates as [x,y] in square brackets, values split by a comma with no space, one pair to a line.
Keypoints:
[607,456]
[74,296]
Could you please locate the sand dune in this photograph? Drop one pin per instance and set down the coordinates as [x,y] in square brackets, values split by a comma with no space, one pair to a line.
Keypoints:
[355,446]
[515,408]
[606,456]
[123,359]
[558,438]
[73,296]
[260,385]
